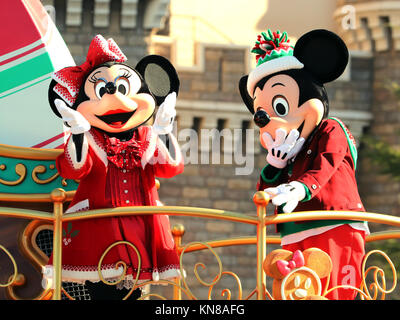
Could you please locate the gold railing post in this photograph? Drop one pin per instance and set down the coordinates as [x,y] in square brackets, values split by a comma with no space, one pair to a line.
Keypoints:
[58,197]
[178,231]
[261,200]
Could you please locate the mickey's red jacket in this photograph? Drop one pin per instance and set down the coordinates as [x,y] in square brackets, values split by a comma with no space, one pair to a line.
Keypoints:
[327,169]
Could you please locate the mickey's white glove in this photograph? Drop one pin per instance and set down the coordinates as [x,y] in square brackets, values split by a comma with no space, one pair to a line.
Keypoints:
[282,148]
[73,118]
[290,193]
[165,116]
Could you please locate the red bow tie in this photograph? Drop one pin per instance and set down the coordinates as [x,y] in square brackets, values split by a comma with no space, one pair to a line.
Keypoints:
[125,154]
[70,78]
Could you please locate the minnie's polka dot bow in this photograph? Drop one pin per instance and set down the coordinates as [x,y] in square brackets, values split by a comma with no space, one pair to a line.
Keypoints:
[125,154]
[70,79]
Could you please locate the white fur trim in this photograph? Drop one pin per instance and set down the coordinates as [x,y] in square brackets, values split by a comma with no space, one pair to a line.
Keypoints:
[164,156]
[80,276]
[155,275]
[110,274]
[149,152]
[100,152]
[166,275]
[79,206]
[71,153]
[162,149]
[270,67]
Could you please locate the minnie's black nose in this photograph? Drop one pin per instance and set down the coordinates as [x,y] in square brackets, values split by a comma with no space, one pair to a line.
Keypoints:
[261,118]
[110,87]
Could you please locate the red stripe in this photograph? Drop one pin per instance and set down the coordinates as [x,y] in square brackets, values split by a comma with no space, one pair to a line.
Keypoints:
[22,54]
[39,145]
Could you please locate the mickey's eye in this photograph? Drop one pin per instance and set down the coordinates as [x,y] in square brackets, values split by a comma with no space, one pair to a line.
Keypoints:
[100,88]
[280,105]
[122,86]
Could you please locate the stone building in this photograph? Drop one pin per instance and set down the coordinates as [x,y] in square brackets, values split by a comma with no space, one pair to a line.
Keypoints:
[377,32]
[210,62]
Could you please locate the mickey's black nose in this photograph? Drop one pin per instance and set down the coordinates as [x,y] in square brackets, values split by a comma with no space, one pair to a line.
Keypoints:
[261,118]
[110,87]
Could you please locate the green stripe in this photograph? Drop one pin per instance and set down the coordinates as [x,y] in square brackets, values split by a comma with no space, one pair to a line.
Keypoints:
[293,227]
[266,180]
[31,85]
[353,148]
[308,193]
[25,72]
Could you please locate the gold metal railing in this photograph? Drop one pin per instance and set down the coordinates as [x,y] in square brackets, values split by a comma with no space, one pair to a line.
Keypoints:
[261,221]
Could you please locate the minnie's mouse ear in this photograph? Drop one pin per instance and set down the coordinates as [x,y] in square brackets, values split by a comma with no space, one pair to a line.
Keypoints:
[159,75]
[323,53]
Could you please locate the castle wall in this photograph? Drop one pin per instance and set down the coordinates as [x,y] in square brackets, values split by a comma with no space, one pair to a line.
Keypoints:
[376,31]
[209,98]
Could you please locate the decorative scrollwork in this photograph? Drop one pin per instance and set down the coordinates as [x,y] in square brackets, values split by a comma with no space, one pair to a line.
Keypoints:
[33,253]
[164,282]
[122,276]
[378,272]
[375,286]
[14,277]
[226,291]
[123,264]
[217,278]
[20,170]
[40,169]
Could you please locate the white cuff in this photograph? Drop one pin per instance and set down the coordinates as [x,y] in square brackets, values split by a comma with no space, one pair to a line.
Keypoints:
[300,190]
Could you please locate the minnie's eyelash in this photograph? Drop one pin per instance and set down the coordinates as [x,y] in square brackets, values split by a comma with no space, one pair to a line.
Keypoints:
[126,74]
[93,78]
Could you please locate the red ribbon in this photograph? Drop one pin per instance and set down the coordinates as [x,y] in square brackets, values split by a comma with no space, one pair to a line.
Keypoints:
[70,78]
[125,154]
[297,261]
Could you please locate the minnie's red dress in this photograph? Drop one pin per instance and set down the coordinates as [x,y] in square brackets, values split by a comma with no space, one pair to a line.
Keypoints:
[115,174]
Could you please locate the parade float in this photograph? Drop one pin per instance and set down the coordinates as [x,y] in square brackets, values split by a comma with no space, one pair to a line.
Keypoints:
[31,140]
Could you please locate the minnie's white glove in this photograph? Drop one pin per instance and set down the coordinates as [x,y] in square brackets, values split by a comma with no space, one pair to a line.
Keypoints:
[282,148]
[165,116]
[290,193]
[73,118]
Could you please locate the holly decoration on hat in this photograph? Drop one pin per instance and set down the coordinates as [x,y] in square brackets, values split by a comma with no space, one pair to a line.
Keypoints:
[271,45]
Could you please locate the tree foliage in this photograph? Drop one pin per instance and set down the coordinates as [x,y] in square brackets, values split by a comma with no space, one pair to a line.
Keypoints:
[386,158]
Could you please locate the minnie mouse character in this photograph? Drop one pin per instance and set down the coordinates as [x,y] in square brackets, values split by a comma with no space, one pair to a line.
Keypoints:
[311,159]
[116,157]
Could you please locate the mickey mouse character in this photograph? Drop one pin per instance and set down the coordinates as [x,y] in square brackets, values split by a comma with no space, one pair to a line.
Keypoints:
[311,159]
[116,157]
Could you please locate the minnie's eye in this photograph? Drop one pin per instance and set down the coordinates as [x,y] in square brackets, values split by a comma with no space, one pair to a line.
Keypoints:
[135,83]
[122,86]
[280,105]
[100,88]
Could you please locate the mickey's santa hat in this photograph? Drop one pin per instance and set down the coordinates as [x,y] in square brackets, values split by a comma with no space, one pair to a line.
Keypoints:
[273,54]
